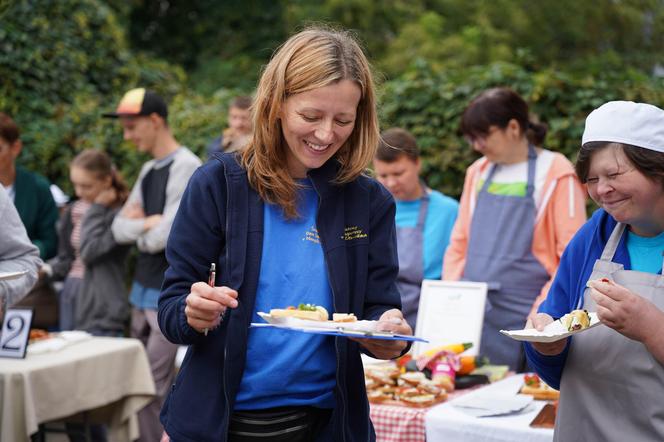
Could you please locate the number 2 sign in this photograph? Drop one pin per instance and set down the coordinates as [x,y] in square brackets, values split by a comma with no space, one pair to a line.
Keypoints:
[15,333]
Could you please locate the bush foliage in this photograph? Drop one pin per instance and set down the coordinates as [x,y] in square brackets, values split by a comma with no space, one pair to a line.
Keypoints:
[65,62]
[430,104]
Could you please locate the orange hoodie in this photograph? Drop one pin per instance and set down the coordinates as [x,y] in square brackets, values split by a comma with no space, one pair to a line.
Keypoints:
[561,213]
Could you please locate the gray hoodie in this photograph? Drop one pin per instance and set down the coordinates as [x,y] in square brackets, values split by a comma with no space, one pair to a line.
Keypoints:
[17,253]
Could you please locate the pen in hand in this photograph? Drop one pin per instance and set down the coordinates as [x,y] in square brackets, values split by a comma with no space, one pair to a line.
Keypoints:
[211,279]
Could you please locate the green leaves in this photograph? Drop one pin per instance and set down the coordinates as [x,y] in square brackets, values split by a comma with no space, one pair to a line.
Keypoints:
[430,103]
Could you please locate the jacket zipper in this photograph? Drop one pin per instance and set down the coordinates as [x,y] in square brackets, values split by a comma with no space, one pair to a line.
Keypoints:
[334,302]
[224,374]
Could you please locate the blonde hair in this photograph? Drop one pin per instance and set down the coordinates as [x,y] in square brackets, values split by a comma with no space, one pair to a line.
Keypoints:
[308,60]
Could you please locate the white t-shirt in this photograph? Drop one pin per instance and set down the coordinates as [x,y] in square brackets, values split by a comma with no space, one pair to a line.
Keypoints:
[11,193]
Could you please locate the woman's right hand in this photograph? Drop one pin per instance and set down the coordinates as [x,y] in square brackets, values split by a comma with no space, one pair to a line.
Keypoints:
[205,305]
[538,322]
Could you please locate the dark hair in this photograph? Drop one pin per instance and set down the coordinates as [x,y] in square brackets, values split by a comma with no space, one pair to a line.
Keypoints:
[649,162]
[99,163]
[396,142]
[496,107]
[241,102]
[9,131]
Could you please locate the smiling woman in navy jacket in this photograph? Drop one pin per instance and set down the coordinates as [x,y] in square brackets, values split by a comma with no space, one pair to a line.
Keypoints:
[291,220]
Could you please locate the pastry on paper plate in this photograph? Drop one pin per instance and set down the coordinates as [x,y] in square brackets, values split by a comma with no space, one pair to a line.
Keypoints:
[344,317]
[576,320]
[303,311]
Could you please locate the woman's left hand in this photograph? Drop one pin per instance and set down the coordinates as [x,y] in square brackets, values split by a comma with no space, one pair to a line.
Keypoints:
[391,321]
[625,311]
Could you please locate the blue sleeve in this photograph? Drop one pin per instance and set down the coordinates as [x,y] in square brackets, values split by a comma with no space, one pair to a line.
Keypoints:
[566,292]
[441,216]
[549,368]
[196,240]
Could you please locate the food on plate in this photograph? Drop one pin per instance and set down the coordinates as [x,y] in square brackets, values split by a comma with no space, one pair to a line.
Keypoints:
[382,375]
[344,317]
[377,396]
[412,377]
[420,400]
[38,334]
[303,311]
[386,384]
[534,386]
[576,320]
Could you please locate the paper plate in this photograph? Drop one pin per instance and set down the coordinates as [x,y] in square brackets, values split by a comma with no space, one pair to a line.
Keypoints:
[357,329]
[344,333]
[551,333]
[363,326]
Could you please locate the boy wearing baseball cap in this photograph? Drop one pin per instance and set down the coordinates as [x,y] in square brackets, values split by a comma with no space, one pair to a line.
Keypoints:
[146,220]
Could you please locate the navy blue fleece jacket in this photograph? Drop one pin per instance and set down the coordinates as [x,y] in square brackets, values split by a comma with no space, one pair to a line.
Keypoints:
[220,219]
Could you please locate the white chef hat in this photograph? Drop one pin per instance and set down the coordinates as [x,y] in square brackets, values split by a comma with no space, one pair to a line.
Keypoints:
[626,122]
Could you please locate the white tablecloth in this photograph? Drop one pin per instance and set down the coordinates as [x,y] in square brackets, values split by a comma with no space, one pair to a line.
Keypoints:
[108,377]
[444,422]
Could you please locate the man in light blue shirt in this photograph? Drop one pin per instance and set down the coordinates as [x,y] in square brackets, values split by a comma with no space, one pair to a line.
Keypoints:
[424,217]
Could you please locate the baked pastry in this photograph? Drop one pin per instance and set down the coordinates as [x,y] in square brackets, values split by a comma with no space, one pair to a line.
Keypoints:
[576,320]
[344,317]
[303,311]
[538,389]
[386,384]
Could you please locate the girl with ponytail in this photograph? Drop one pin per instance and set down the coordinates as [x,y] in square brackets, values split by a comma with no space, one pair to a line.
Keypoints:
[89,260]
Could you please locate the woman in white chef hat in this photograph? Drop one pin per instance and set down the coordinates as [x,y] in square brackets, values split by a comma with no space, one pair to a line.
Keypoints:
[611,376]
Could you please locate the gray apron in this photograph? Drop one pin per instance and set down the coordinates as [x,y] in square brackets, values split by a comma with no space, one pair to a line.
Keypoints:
[612,388]
[410,242]
[500,254]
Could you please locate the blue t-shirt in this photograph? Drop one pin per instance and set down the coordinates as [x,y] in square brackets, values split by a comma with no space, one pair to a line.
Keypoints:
[288,368]
[645,253]
[438,225]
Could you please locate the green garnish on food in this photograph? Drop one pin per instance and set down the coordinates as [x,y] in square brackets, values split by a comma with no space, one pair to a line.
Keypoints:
[307,307]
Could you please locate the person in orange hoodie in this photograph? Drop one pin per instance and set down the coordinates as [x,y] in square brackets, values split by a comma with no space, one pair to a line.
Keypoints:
[520,206]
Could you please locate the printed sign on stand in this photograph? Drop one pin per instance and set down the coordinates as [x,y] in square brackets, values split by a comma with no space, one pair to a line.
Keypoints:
[450,312]
[15,332]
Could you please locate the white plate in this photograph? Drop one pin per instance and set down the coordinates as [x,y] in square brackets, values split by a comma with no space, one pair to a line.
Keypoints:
[551,333]
[360,329]
[12,275]
[359,326]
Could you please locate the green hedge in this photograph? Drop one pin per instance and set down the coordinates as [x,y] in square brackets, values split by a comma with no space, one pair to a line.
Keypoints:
[65,62]
[430,104]
[62,64]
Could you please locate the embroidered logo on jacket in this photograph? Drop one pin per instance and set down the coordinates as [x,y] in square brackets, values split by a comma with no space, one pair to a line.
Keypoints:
[353,232]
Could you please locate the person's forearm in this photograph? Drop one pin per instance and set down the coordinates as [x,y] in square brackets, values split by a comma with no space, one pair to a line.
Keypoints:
[126,230]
